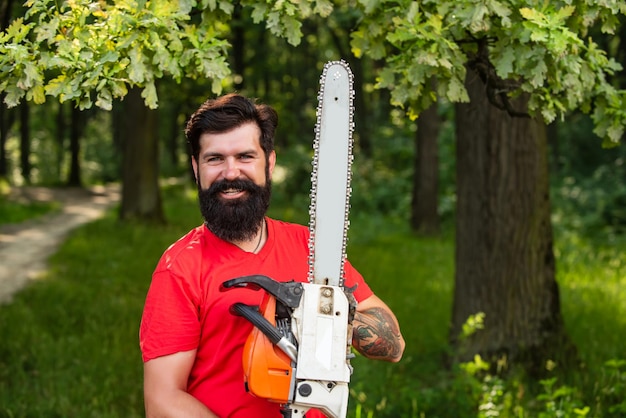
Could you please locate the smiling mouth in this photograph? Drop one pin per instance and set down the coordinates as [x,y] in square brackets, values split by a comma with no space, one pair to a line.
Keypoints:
[233,189]
[232,192]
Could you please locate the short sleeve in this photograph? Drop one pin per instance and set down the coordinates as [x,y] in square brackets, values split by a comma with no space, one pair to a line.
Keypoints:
[353,277]
[170,321]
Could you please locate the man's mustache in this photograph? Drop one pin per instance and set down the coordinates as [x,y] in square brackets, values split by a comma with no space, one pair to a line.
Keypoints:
[238,184]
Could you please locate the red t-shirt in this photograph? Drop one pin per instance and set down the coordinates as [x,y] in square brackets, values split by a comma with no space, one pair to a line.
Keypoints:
[185,309]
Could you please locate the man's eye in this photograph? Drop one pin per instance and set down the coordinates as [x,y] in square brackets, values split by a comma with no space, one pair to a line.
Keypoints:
[213,159]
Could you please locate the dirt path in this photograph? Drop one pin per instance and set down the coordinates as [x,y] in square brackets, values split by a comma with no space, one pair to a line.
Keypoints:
[25,247]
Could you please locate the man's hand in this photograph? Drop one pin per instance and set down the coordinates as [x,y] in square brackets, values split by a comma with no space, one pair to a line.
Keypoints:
[375,331]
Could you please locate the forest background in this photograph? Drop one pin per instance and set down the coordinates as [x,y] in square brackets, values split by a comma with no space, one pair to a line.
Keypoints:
[418,188]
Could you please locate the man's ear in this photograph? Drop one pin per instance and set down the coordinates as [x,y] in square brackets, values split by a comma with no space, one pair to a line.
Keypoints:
[194,165]
[271,161]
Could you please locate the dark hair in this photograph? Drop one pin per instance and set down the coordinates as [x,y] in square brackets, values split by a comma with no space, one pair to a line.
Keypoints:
[229,112]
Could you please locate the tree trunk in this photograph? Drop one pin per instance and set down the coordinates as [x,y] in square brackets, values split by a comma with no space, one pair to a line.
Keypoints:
[505,264]
[6,6]
[425,196]
[25,165]
[141,197]
[363,116]
[76,130]
[552,131]
[5,125]
[239,47]
[61,133]
[174,138]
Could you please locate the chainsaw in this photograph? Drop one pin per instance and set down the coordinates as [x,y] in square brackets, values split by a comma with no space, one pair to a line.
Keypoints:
[298,354]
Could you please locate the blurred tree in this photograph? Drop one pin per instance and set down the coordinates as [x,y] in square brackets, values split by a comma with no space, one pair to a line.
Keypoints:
[25,143]
[60,134]
[140,123]
[78,121]
[6,120]
[425,191]
[511,65]
[6,117]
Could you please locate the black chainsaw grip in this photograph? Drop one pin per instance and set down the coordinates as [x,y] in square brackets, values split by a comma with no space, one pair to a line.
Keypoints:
[288,293]
[252,314]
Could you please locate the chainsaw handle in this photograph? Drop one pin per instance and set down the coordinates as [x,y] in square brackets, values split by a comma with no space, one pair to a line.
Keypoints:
[288,293]
[252,314]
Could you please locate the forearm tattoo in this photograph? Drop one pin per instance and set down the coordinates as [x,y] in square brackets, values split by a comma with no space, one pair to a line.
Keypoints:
[376,335]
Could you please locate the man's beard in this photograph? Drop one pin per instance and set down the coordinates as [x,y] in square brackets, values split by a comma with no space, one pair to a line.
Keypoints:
[237,219]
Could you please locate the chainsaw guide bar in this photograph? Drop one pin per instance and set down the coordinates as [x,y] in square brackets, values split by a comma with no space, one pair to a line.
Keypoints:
[298,353]
[331,175]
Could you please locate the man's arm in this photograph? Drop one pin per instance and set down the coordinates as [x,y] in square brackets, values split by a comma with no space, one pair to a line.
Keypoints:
[165,388]
[376,333]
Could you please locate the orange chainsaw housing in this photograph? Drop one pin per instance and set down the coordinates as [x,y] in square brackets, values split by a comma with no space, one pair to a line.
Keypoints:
[267,369]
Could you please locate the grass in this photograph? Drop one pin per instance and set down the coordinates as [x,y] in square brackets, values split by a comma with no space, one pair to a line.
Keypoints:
[592,281]
[68,343]
[12,212]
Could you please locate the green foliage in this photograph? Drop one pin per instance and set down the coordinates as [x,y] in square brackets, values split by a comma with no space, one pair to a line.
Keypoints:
[559,402]
[85,52]
[423,52]
[283,18]
[473,324]
[588,191]
[92,53]
[542,48]
[593,204]
[615,388]
[379,187]
[503,396]
[101,158]
[5,187]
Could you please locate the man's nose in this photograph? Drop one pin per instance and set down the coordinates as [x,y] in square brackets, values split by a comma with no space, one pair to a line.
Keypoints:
[231,169]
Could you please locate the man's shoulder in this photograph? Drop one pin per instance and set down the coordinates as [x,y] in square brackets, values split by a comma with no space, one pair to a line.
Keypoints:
[189,243]
[285,227]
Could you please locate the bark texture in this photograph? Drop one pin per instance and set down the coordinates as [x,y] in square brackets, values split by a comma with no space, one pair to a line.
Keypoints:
[77,127]
[505,264]
[425,195]
[6,120]
[141,196]
[25,163]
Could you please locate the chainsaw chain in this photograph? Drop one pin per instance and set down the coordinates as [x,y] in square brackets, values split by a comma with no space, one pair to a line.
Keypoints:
[314,172]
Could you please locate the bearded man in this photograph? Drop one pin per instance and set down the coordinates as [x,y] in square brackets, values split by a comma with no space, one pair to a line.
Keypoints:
[191,344]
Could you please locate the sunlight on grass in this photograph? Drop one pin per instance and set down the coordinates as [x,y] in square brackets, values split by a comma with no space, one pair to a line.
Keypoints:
[592,280]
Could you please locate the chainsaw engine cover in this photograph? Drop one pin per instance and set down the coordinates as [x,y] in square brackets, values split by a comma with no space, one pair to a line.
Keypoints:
[267,369]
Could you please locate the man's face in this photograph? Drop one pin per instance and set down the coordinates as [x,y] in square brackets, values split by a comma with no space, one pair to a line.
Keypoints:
[234,181]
